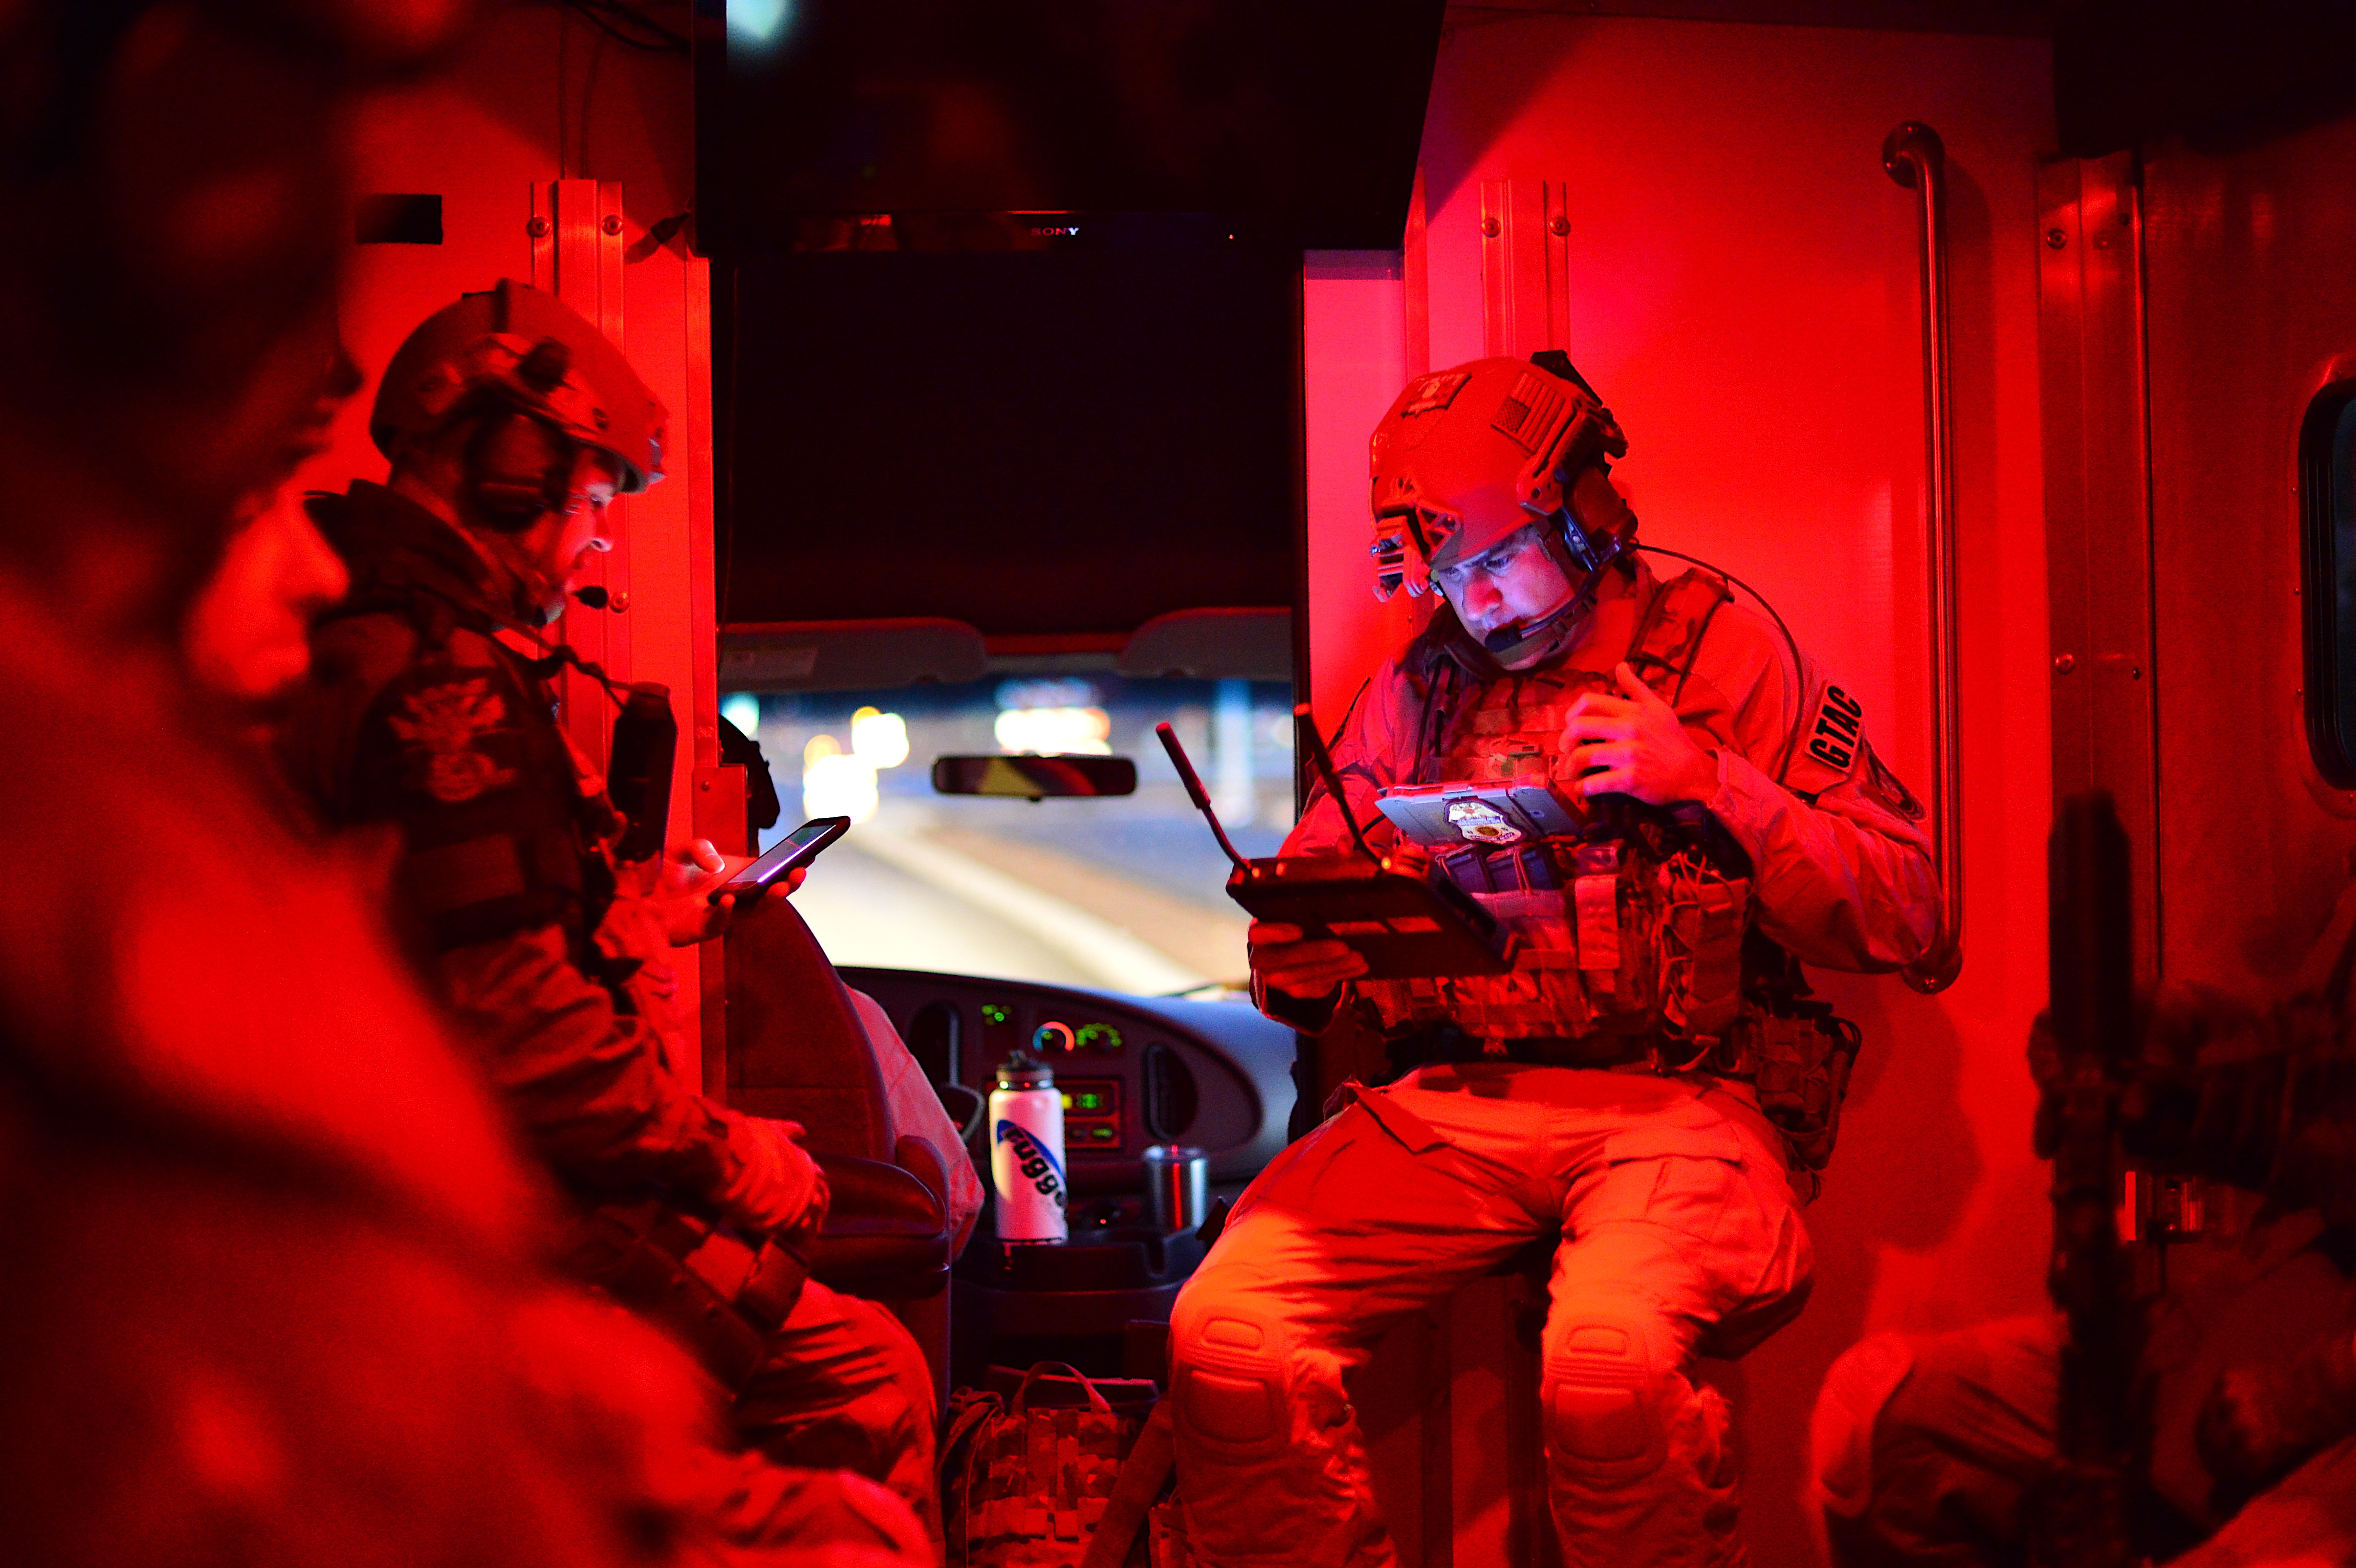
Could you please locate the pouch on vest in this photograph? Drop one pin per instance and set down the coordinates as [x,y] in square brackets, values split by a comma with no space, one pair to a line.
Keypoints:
[1632,926]
[1795,1052]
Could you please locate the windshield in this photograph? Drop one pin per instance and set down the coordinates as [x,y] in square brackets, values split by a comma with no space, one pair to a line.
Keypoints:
[1126,893]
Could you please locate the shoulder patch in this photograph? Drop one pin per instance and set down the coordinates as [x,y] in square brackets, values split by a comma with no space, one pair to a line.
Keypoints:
[1433,393]
[443,729]
[1838,734]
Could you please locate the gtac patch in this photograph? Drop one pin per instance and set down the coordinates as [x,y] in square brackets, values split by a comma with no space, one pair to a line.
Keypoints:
[442,726]
[1839,732]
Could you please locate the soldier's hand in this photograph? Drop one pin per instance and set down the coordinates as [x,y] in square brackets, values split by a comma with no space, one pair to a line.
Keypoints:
[778,1189]
[688,874]
[1633,745]
[1307,969]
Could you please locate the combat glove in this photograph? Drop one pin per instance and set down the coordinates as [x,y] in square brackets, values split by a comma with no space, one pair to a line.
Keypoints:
[774,1188]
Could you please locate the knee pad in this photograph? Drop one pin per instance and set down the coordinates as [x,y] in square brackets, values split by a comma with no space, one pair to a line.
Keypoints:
[1227,1379]
[1609,1398]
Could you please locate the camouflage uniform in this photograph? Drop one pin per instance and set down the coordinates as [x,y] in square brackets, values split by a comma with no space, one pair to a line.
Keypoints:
[1603,1090]
[422,719]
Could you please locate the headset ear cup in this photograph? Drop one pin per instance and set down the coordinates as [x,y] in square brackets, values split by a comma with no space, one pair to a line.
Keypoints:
[510,508]
[1597,521]
[517,469]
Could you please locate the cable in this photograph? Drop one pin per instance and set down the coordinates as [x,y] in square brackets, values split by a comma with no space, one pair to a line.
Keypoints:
[562,653]
[605,13]
[1799,669]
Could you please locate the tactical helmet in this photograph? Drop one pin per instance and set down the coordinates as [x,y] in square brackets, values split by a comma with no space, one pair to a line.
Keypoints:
[1469,456]
[533,353]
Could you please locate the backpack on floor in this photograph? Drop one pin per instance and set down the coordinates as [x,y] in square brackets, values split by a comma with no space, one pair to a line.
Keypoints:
[1027,1480]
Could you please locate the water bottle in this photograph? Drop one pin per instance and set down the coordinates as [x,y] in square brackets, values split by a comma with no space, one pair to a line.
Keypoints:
[1026,1151]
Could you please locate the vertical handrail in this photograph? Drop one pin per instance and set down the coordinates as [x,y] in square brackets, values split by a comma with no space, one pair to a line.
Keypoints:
[1915,158]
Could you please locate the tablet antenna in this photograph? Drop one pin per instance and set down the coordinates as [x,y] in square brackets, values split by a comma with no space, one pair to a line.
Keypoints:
[1304,723]
[1195,793]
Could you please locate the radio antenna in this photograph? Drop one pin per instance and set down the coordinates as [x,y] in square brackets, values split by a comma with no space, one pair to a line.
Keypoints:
[1304,723]
[1195,791]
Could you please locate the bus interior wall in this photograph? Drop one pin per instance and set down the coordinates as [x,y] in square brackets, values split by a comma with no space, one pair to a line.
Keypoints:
[2249,315]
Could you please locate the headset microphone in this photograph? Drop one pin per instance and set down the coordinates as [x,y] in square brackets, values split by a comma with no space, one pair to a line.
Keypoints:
[596,598]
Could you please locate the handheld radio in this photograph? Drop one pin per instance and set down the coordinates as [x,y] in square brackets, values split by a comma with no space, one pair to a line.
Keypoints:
[639,772]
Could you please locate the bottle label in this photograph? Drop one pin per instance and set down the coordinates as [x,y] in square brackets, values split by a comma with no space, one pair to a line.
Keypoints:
[1027,1169]
[1038,1164]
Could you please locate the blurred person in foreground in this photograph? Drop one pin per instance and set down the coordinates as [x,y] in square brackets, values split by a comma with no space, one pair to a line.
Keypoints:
[1947,1449]
[246,633]
[274,1285]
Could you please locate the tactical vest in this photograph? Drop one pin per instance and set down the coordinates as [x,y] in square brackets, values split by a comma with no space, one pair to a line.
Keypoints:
[1632,927]
[515,856]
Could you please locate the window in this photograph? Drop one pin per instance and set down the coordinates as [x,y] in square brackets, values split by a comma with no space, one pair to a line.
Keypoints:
[2327,461]
[1125,893]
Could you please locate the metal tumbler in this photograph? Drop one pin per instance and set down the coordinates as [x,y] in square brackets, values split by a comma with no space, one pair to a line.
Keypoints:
[1177,1187]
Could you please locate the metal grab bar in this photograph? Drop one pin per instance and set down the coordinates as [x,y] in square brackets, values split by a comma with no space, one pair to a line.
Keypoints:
[1915,158]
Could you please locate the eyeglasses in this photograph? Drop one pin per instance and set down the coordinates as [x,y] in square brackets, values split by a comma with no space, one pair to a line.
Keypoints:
[1491,564]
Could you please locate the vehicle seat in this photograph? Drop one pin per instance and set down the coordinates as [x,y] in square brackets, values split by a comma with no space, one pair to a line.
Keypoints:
[798,1051]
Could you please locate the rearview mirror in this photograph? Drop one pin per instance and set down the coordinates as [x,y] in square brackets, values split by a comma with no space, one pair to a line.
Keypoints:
[1034,778]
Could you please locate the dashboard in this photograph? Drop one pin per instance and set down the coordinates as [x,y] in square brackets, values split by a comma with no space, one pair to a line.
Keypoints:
[1134,1070]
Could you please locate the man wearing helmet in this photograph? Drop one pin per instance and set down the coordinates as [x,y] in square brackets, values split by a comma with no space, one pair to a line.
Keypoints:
[1641,1083]
[510,423]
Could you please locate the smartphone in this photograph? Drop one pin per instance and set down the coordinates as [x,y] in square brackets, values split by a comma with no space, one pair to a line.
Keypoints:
[798,847]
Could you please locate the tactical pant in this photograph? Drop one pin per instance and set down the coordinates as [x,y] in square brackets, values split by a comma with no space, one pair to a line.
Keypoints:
[843,1386]
[771,1517]
[1678,1231]
[1924,1448]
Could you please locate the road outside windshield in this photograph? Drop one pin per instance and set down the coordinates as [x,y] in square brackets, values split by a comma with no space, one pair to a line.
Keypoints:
[1126,893]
